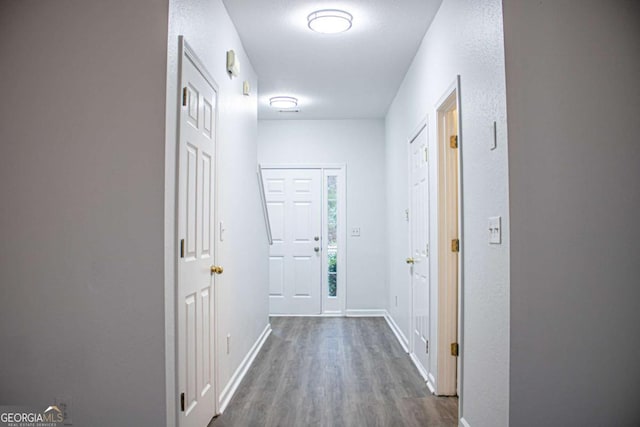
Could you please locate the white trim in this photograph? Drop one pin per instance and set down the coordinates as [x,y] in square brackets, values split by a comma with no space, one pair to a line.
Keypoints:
[332,313]
[464,423]
[404,342]
[430,386]
[303,165]
[365,313]
[431,383]
[447,93]
[238,375]
[328,314]
[462,245]
[418,365]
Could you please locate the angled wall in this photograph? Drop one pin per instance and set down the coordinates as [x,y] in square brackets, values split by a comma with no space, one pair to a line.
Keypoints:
[82,185]
[574,166]
[465,38]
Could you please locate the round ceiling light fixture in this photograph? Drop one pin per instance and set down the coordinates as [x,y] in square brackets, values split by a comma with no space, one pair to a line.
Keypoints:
[283,102]
[329,21]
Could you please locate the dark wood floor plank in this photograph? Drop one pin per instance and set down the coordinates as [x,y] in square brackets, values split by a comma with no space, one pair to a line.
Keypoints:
[338,372]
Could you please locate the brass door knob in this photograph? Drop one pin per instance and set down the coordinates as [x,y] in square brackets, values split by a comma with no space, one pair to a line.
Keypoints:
[411,261]
[216,269]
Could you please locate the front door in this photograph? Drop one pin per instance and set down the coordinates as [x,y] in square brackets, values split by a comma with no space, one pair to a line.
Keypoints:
[294,204]
[196,174]
[419,238]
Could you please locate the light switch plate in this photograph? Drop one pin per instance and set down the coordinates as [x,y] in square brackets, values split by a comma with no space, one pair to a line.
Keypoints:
[495,230]
[355,232]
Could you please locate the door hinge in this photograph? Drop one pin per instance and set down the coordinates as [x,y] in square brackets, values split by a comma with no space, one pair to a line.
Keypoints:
[427,347]
[455,245]
[182,402]
[426,254]
[182,248]
[453,141]
[455,349]
[185,92]
[426,154]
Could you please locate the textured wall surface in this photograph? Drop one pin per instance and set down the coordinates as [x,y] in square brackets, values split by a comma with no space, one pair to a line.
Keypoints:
[464,39]
[242,290]
[574,159]
[360,145]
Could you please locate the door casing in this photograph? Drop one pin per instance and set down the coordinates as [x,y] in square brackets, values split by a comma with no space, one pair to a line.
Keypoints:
[449,312]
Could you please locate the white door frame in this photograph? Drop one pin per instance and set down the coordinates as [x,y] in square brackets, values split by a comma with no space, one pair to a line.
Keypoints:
[187,53]
[341,172]
[449,100]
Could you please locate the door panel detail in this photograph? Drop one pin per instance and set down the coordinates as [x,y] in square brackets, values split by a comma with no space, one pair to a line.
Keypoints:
[294,205]
[419,238]
[195,329]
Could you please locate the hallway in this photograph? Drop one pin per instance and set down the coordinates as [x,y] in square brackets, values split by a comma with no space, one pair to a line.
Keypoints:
[334,371]
[138,261]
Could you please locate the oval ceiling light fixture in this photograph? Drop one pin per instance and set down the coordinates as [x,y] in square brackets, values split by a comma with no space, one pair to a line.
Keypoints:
[329,21]
[283,102]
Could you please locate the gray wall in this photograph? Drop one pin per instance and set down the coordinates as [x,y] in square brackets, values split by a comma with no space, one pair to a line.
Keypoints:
[81,182]
[574,162]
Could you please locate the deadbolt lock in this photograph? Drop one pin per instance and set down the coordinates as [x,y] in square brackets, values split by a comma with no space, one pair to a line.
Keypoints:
[316,238]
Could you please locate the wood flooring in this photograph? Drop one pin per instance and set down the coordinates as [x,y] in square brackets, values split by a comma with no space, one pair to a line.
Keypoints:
[323,371]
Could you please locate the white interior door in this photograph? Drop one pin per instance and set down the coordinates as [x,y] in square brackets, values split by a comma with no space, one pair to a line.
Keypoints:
[419,237]
[295,258]
[196,198]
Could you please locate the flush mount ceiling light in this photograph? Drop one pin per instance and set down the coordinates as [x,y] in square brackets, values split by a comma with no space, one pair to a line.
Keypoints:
[329,21]
[283,102]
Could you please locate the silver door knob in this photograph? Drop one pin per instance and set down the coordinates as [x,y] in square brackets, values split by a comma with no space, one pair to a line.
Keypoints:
[317,249]
[316,238]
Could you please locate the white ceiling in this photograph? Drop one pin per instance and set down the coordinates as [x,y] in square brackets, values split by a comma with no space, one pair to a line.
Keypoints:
[335,76]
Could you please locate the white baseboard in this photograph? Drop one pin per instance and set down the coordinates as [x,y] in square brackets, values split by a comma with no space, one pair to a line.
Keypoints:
[464,423]
[431,383]
[404,342]
[327,314]
[238,375]
[365,313]
[419,367]
[337,313]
